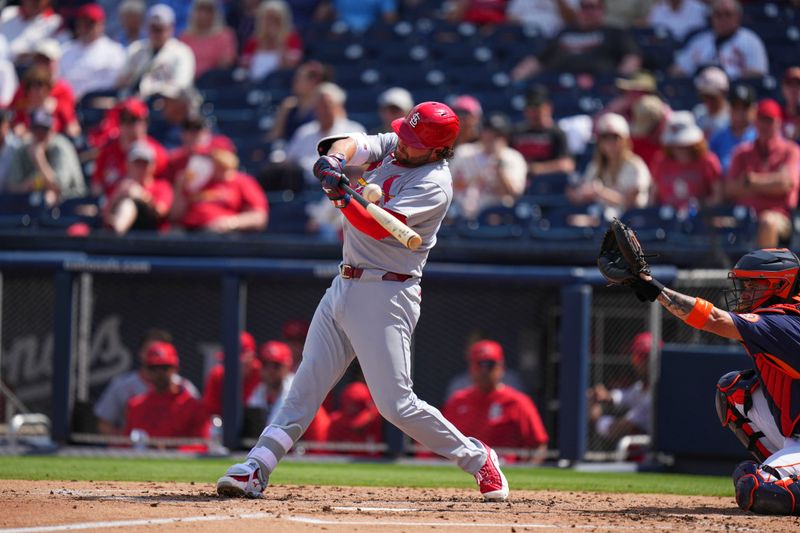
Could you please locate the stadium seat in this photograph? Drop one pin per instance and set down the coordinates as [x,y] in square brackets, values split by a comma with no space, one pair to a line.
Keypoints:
[653,223]
[570,223]
[549,189]
[728,227]
[216,78]
[19,210]
[496,222]
[85,210]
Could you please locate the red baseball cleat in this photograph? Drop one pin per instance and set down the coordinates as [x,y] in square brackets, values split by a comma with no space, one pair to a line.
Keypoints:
[490,478]
[242,480]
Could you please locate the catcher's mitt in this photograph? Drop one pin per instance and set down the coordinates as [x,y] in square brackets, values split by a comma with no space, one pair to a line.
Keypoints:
[622,262]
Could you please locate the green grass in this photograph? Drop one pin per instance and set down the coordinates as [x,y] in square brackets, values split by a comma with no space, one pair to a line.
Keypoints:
[358,474]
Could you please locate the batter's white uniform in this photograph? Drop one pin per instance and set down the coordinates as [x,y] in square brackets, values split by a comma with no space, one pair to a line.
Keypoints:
[373,319]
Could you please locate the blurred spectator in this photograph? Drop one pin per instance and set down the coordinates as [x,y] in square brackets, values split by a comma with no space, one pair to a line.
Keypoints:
[9,143]
[790,89]
[738,50]
[26,25]
[175,106]
[331,120]
[167,409]
[743,113]
[625,14]
[470,115]
[357,419]
[294,334]
[8,75]
[547,16]
[111,164]
[492,412]
[475,340]
[393,103]
[628,410]
[139,201]
[298,108]
[765,175]
[476,11]
[131,21]
[487,172]
[241,16]
[195,133]
[649,116]
[275,44]
[630,91]
[712,113]
[540,141]
[212,195]
[46,164]
[679,17]
[250,375]
[685,174]
[213,43]
[160,60]
[616,177]
[42,88]
[276,379]
[588,46]
[359,14]
[91,61]
[110,408]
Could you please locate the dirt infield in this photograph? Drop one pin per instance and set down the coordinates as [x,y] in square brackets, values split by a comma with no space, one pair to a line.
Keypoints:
[59,506]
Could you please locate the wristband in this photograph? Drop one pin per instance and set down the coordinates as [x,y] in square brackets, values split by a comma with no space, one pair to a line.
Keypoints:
[698,317]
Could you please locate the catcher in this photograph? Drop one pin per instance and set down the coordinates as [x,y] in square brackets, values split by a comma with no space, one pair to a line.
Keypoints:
[760,405]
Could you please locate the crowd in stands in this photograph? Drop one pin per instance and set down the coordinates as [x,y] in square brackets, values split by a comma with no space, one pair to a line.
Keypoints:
[195,116]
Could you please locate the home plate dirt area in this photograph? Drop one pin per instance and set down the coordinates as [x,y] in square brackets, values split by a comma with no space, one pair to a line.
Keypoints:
[68,506]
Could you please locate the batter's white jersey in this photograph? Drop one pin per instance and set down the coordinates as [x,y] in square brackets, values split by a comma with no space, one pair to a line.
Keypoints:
[421,194]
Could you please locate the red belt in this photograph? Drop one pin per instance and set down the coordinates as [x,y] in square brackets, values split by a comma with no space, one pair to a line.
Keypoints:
[351,272]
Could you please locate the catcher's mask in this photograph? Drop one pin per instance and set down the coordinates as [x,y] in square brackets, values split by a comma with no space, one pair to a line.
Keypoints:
[762,278]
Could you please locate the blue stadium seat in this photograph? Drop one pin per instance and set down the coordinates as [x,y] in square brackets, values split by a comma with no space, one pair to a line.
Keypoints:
[570,223]
[729,227]
[653,223]
[19,210]
[496,222]
[287,214]
[85,210]
[549,189]
[216,78]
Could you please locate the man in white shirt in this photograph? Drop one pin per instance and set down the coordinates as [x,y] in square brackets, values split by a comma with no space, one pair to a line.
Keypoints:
[27,24]
[159,60]
[737,50]
[679,17]
[331,120]
[91,61]
[488,172]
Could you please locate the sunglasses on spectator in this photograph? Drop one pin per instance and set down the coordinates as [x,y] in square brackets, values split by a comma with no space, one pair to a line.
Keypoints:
[795,82]
[608,137]
[273,365]
[486,365]
[158,368]
[723,14]
[128,119]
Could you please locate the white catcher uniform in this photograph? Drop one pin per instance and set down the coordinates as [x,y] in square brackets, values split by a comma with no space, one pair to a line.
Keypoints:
[373,318]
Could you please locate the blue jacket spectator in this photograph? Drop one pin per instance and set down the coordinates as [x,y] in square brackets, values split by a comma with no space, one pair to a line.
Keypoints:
[740,129]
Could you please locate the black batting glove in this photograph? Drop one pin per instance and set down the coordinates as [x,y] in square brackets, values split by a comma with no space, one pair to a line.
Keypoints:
[329,170]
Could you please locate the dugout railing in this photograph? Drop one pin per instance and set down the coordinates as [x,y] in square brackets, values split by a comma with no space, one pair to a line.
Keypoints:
[71,321]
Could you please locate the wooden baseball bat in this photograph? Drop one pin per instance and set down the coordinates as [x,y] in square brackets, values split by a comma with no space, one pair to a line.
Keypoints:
[399,231]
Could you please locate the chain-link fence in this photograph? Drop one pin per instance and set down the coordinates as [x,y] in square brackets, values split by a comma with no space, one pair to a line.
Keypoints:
[113,312]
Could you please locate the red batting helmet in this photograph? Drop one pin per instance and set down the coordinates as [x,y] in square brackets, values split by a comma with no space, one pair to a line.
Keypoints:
[428,125]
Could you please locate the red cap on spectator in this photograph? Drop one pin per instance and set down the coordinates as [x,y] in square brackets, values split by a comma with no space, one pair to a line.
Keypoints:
[217,142]
[93,12]
[276,352]
[467,103]
[161,353]
[769,108]
[295,330]
[246,342]
[485,351]
[640,347]
[134,107]
[79,229]
[355,394]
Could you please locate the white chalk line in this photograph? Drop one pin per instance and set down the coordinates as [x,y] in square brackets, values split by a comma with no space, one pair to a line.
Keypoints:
[134,523]
[381,509]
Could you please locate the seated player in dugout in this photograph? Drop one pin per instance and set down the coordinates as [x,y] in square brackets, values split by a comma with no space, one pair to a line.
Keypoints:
[761,405]
[626,410]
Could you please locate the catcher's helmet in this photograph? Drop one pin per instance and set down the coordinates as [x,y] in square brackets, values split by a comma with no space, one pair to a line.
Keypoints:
[763,277]
[428,125]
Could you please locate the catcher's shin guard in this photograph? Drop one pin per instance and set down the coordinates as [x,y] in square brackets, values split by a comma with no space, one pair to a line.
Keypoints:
[736,388]
[753,493]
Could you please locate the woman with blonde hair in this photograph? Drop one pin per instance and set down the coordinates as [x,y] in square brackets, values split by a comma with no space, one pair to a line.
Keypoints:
[686,173]
[275,43]
[616,177]
[213,43]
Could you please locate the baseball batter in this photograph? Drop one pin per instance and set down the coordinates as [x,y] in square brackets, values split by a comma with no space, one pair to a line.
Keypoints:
[372,307]
[760,405]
